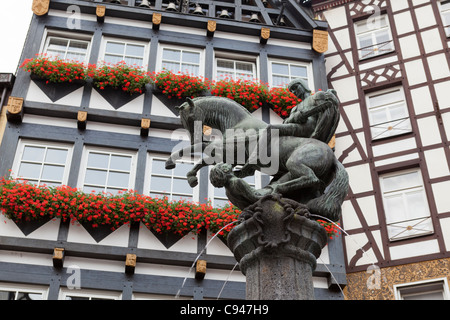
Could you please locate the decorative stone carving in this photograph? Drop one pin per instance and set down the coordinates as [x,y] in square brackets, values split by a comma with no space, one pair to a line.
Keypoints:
[276,246]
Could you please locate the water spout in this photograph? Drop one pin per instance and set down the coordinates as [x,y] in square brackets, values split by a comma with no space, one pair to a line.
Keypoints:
[332,275]
[347,234]
[198,257]
[226,280]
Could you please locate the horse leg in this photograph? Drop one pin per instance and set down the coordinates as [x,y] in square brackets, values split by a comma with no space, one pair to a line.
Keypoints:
[170,162]
[301,176]
[192,174]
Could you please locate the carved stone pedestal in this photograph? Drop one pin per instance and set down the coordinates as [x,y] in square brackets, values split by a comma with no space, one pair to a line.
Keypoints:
[276,246]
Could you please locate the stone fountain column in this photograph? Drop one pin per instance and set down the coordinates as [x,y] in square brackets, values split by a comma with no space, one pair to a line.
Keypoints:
[276,246]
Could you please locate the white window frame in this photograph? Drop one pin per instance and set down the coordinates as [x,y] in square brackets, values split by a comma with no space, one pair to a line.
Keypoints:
[254,61]
[445,12]
[64,293]
[307,65]
[105,40]
[52,34]
[415,286]
[201,63]
[399,229]
[378,48]
[390,125]
[169,174]
[111,151]
[24,288]
[42,144]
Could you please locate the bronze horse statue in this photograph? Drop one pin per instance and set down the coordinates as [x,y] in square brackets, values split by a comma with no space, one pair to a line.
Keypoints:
[307,171]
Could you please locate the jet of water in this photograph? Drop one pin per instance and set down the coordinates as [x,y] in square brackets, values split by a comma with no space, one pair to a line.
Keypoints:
[332,275]
[226,280]
[347,234]
[198,257]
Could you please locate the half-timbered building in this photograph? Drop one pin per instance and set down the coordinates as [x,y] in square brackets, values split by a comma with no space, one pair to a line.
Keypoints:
[96,140]
[389,61]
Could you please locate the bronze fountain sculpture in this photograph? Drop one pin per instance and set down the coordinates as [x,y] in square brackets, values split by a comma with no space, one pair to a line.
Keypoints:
[278,240]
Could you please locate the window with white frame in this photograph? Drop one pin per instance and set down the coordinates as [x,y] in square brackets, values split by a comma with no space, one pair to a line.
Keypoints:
[373,37]
[133,53]
[42,162]
[235,69]
[9,291]
[388,113]
[107,171]
[444,7]
[87,294]
[283,72]
[424,290]
[405,205]
[171,183]
[184,60]
[67,46]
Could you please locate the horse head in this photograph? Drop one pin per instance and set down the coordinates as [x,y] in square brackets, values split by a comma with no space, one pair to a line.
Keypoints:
[186,112]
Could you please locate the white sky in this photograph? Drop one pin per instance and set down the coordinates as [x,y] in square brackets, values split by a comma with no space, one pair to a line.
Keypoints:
[15,17]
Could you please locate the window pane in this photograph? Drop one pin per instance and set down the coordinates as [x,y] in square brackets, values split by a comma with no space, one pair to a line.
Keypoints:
[280,68]
[75,56]
[386,98]
[158,166]
[395,210]
[98,160]
[57,44]
[280,80]
[244,67]
[299,71]
[114,47]
[111,59]
[181,186]
[220,192]
[97,177]
[191,57]
[169,54]
[382,36]
[160,184]
[78,46]
[120,163]
[446,16]
[134,61]
[398,112]
[182,169]
[378,116]
[135,50]
[224,74]
[417,204]
[402,181]
[50,172]
[56,156]
[33,153]
[29,170]
[365,41]
[225,64]
[171,66]
[190,69]
[118,179]
[425,296]
[445,5]
[7,295]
